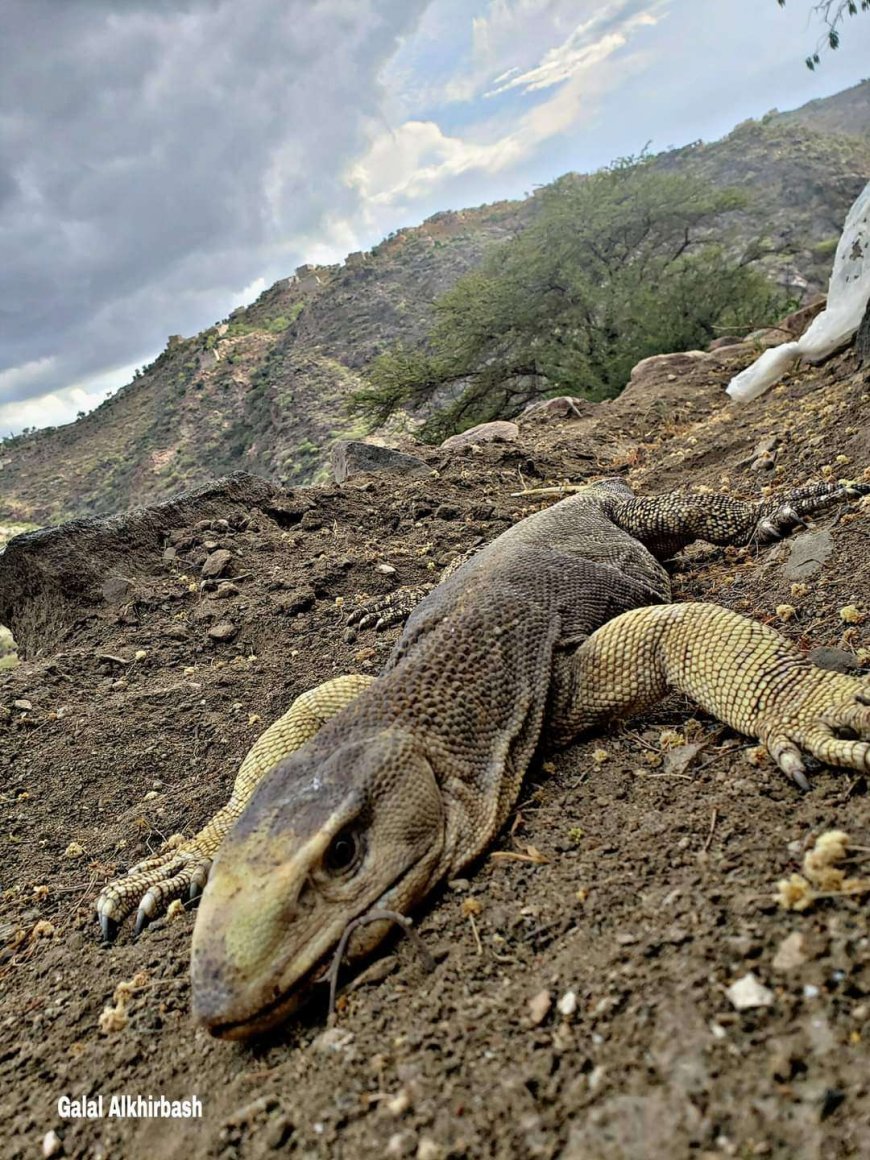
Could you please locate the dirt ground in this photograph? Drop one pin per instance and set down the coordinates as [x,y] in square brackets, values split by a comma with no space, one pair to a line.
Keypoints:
[653,893]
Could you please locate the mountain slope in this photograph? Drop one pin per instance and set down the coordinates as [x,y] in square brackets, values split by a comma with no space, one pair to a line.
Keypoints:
[266,389]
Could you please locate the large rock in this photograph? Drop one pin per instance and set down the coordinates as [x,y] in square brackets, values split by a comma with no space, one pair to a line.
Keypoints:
[561,407]
[355,457]
[499,431]
[670,379]
[807,554]
[793,325]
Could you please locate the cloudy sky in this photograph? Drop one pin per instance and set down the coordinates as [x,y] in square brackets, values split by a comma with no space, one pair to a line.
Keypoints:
[162,161]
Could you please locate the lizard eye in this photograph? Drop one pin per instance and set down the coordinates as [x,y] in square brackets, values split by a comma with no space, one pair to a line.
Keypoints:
[343,853]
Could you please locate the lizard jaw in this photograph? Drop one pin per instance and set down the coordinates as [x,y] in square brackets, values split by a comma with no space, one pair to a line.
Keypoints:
[269,1016]
[226,1012]
[231,1004]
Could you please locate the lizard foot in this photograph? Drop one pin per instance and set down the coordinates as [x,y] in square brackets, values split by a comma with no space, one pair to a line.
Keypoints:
[836,731]
[180,869]
[382,612]
[782,518]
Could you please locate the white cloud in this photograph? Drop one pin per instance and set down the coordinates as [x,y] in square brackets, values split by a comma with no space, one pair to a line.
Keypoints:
[155,156]
[576,54]
[409,162]
[413,161]
[59,407]
[513,41]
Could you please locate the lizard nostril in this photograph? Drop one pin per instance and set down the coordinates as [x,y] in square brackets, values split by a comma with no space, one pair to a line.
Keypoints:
[306,899]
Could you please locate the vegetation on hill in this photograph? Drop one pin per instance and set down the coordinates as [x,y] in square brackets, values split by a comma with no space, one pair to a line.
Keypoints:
[615,267]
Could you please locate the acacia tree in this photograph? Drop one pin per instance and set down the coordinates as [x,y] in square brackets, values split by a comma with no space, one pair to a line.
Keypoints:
[832,12]
[614,267]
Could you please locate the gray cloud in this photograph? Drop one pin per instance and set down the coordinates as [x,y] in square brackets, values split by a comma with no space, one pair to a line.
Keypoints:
[156,157]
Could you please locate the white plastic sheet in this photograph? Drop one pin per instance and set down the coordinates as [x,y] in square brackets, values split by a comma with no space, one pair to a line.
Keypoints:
[848,294]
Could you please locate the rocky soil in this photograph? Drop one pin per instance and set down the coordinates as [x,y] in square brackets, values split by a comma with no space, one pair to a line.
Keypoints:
[580,1005]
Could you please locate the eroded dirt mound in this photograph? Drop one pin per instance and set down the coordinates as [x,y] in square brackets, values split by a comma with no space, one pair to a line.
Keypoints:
[579,1005]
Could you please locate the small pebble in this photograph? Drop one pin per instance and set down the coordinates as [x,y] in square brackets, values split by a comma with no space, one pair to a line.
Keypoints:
[52,1145]
[224,631]
[747,993]
[568,1004]
[539,1007]
[333,1039]
[400,1144]
[398,1104]
[216,564]
[596,1078]
[791,953]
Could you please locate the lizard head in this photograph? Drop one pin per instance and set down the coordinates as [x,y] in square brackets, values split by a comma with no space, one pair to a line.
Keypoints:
[329,834]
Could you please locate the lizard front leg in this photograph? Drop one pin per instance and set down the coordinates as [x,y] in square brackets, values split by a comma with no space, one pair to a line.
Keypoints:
[380,612]
[181,866]
[741,671]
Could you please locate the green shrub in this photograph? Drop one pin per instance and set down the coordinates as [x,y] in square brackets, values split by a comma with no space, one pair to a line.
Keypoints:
[615,267]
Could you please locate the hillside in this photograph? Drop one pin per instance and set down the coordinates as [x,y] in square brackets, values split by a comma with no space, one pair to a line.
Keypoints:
[265,391]
[650,892]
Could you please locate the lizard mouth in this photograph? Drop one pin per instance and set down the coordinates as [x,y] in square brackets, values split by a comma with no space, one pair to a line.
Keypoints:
[326,967]
[278,1009]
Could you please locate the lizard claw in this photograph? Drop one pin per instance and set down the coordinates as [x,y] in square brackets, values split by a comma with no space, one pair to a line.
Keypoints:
[179,870]
[780,519]
[834,730]
[780,522]
[767,530]
[382,612]
[788,757]
[108,928]
[142,920]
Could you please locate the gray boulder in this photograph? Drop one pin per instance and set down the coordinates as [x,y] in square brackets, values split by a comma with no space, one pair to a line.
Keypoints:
[499,431]
[354,457]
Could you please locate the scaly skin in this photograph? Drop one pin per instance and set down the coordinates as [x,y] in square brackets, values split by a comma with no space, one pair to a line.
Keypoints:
[544,633]
[181,866]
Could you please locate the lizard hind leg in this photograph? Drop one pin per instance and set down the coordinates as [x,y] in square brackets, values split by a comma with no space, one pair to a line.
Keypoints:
[666,524]
[181,867]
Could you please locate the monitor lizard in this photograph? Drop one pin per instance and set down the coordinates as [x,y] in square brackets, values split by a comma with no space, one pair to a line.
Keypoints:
[370,791]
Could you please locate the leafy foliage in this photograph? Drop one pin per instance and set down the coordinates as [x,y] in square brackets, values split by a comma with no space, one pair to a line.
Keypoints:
[613,268]
[832,13]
